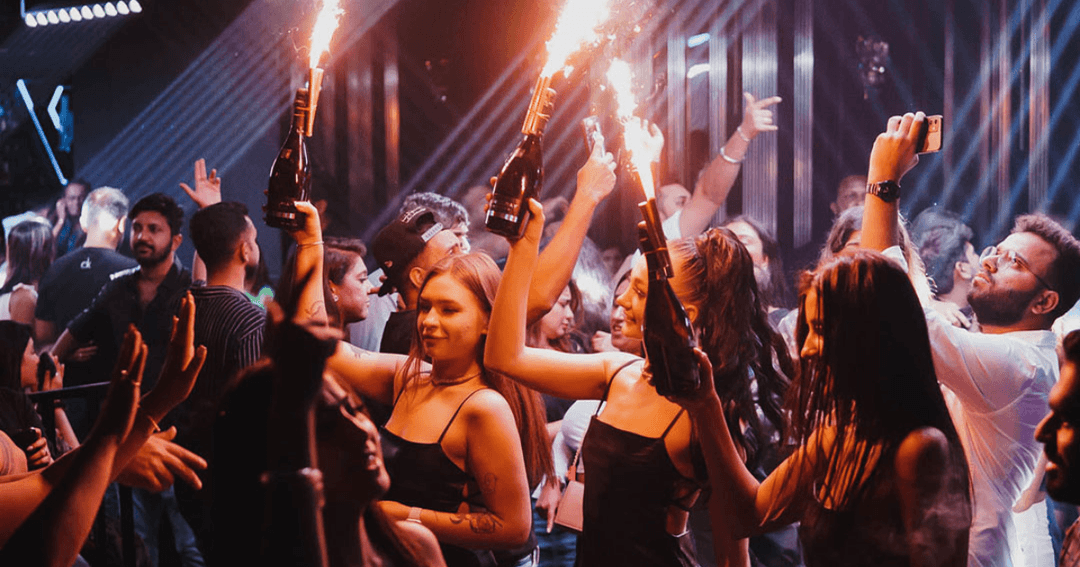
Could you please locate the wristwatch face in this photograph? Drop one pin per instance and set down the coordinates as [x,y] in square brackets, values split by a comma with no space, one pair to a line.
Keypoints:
[887,191]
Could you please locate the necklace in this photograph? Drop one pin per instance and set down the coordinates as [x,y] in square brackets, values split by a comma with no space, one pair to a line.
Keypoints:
[454,381]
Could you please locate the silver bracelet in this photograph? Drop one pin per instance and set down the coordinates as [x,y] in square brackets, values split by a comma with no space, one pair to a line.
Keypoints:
[738,130]
[727,158]
[316,243]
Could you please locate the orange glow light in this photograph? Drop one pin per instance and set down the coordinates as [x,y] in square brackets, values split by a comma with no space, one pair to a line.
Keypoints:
[576,29]
[635,136]
[325,25]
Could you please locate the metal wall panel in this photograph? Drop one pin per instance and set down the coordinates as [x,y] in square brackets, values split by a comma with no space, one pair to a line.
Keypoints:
[803,174]
[759,71]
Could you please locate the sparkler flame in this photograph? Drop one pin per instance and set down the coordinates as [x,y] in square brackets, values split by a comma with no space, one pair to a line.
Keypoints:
[635,135]
[325,25]
[576,28]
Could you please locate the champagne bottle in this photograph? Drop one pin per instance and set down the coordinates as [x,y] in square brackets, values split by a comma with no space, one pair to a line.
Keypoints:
[523,173]
[290,176]
[667,333]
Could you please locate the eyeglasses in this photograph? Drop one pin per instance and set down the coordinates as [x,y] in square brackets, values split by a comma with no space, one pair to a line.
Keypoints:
[1011,258]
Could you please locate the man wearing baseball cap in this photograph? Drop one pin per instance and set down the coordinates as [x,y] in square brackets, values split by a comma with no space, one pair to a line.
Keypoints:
[405,250]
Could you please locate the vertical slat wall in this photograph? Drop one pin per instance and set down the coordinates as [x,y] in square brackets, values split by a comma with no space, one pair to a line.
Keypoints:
[803,122]
[1039,107]
[759,69]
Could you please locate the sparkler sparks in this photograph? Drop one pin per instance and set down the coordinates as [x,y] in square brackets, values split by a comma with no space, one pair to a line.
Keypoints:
[325,25]
[576,28]
[635,136]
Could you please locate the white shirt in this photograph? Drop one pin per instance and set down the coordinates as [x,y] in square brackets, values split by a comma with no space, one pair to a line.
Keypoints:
[996,387]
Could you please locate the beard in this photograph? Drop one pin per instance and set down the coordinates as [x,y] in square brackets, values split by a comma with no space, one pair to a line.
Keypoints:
[147,256]
[999,307]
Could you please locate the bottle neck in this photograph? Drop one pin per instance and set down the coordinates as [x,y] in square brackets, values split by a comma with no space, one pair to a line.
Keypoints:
[300,112]
[536,118]
[651,233]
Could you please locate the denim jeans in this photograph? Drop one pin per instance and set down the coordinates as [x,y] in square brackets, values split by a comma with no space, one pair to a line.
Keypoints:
[150,509]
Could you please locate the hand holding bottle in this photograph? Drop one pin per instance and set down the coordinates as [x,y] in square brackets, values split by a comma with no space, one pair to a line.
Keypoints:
[534,229]
[596,178]
[704,396]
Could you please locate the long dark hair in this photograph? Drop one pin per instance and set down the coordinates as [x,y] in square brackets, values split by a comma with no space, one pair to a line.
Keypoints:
[479,274]
[873,379]
[13,340]
[778,292]
[717,276]
[30,251]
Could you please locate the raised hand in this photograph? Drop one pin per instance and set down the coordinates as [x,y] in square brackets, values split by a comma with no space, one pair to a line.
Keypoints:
[118,411]
[159,462]
[757,117]
[183,361]
[311,231]
[207,187]
[705,392]
[54,380]
[596,178]
[534,230]
[895,151]
[656,142]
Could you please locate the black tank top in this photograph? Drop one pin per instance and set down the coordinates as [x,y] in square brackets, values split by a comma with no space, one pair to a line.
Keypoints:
[421,475]
[868,531]
[630,482]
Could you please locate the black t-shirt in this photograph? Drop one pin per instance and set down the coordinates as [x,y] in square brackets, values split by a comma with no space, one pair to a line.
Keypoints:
[400,329]
[73,281]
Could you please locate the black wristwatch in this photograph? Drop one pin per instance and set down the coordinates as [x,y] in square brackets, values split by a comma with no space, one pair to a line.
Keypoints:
[888,191]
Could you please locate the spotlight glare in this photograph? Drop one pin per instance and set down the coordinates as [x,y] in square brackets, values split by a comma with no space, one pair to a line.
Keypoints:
[110,9]
[30,21]
[42,20]
[87,14]
[99,11]
[122,8]
[76,16]
[135,6]
[63,15]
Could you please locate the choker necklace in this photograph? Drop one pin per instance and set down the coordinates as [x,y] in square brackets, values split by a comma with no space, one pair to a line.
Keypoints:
[455,381]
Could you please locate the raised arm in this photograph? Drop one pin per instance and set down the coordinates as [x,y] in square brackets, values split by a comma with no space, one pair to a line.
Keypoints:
[310,303]
[719,175]
[495,460]
[370,374]
[595,180]
[574,376]
[207,191]
[893,156]
[738,501]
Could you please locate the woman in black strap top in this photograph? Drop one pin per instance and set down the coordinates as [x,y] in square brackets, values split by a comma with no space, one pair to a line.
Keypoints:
[880,477]
[463,444]
[640,476]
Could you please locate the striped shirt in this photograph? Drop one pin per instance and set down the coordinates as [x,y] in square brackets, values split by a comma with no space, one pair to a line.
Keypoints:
[231,328]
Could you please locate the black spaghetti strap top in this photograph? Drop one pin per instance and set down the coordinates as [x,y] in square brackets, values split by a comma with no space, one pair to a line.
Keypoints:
[869,531]
[630,482]
[421,475]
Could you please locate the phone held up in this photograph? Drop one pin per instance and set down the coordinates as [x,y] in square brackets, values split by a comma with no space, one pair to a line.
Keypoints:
[931,134]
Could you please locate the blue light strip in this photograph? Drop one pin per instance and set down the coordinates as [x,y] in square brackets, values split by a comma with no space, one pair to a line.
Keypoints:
[21,84]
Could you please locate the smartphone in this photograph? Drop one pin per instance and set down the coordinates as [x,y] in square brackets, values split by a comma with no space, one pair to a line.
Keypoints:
[930,137]
[23,438]
[590,127]
[46,367]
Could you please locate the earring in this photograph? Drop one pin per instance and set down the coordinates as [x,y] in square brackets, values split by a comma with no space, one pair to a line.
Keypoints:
[334,295]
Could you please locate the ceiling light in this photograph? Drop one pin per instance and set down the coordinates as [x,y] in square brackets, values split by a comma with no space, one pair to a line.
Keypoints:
[122,8]
[99,11]
[30,21]
[110,9]
[42,20]
[135,6]
[63,15]
[76,16]
[87,14]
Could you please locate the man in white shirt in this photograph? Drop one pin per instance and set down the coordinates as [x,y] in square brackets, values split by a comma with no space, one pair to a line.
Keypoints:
[997,382]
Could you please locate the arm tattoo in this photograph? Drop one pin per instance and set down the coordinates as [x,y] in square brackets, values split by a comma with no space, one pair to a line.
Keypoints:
[316,308]
[482,523]
[488,482]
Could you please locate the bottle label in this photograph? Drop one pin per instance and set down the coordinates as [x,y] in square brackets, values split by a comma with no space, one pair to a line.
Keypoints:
[505,211]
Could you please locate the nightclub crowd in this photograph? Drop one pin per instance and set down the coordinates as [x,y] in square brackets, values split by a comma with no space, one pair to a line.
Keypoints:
[484,402]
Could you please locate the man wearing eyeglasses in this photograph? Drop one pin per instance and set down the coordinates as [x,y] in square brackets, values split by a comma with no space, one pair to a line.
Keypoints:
[996,382]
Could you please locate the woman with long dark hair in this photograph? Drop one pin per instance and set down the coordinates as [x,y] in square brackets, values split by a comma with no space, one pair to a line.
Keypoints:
[463,444]
[879,476]
[29,253]
[640,473]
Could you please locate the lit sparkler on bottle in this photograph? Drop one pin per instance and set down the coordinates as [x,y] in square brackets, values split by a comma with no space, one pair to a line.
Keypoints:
[325,25]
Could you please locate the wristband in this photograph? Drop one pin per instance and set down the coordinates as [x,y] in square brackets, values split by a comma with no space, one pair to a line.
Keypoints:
[888,191]
[58,404]
[155,428]
[414,515]
[727,158]
[738,130]
[316,243]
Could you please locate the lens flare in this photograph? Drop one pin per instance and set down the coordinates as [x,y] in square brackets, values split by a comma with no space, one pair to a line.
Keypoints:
[635,135]
[325,25]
